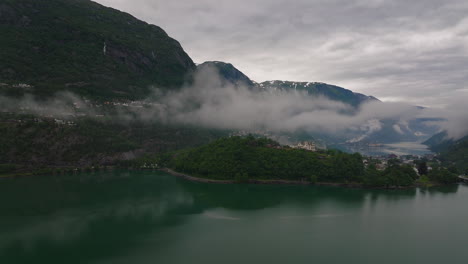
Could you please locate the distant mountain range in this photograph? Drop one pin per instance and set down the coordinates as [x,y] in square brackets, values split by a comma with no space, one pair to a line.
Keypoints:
[389,130]
[232,75]
[331,92]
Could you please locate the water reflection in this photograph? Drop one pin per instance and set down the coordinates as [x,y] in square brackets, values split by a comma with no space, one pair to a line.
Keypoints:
[447,190]
[52,218]
[91,217]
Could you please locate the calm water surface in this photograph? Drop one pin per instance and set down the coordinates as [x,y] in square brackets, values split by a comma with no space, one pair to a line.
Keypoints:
[397,148]
[151,217]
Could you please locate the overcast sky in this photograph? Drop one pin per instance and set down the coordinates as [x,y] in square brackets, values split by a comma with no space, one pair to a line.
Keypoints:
[397,50]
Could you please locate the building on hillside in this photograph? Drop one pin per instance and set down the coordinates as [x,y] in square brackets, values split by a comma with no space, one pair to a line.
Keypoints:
[310,146]
[429,156]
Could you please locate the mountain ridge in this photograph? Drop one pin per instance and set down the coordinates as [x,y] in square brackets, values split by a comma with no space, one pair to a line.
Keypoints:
[231,75]
[330,91]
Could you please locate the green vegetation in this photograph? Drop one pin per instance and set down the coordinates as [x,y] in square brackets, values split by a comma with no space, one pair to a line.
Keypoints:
[243,158]
[261,158]
[34,143]
[395,175]
[7,168]
[457,155]
[442,175]
[453,153]
[103,54]
[58,45]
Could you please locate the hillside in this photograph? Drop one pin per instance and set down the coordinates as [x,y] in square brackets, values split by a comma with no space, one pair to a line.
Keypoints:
[439,142]
[262,158]
[451,152]
[227,72]
[249,159]
[331,92]
[457,154]
[30,142]
[86,48]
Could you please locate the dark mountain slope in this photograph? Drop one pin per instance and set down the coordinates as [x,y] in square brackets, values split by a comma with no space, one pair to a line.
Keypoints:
[439,142]
[86,48]
[452,152]
[228,73]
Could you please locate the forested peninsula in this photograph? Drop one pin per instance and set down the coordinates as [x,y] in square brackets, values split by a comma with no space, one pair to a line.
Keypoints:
[261,160]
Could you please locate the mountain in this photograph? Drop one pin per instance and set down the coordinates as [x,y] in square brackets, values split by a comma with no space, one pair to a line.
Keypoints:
[231,75]
[457,154]
[331,92]
[228,73]
[382,131]
[393,130]
[439,142]
[102,54]
[83,47]
[451,151]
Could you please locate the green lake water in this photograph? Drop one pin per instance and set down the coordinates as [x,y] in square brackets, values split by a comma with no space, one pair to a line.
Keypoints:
[152,217]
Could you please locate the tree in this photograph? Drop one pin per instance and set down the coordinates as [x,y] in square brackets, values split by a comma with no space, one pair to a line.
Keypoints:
[242,178]
[400,175]
[422,168]
[442,175]
[373,177]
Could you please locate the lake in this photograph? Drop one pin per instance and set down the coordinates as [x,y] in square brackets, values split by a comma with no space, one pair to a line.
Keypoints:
[397,148]
[151,217]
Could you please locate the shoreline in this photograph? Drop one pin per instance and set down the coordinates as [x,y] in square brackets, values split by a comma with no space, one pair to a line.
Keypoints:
[291,182]
[250,181]
[260,182]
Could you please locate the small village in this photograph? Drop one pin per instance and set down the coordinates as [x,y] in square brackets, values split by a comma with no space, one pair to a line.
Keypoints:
[382,161]
[21,112]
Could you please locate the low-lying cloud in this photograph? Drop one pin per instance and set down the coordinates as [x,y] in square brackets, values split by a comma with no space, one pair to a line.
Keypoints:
[209,103]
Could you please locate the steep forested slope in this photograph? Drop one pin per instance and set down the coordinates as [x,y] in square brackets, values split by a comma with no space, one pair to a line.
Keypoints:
[86,48]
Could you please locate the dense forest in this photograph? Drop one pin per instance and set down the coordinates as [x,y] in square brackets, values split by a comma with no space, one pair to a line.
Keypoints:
[249,158]
[90,50]
[29,143]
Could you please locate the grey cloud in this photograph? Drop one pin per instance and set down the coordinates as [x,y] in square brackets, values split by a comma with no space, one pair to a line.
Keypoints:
[210,104]
[409,50]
